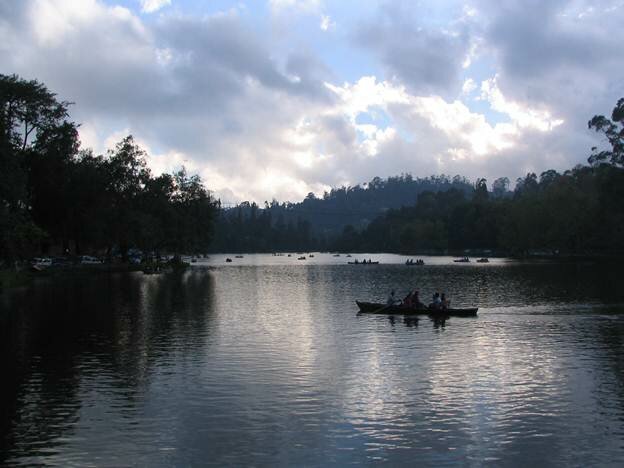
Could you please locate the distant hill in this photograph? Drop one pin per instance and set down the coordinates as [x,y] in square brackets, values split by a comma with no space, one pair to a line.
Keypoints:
[314,222]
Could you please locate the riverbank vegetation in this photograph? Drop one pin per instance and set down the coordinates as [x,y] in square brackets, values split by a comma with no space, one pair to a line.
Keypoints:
[55,196]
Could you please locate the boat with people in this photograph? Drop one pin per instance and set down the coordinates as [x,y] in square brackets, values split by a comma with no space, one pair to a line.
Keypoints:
[301,258]
[483,260]
[378,308]
[411,262]
[363,262]
[462,260]
[228,260]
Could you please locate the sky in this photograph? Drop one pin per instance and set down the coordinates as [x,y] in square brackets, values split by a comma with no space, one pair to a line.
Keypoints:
[278,98]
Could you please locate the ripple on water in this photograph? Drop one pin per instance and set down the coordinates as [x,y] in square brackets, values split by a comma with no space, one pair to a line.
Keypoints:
[270,365]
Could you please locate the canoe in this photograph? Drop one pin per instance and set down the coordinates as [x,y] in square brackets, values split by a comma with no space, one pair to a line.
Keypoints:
[363,263]
[376,308]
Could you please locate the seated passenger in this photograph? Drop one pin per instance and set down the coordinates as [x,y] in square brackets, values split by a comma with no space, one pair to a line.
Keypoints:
[416,300]
[437,302]
[408,301]
[392,300]
[445,303]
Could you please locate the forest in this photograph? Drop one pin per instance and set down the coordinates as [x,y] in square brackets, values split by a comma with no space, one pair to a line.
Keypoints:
[56,197]
[577,212]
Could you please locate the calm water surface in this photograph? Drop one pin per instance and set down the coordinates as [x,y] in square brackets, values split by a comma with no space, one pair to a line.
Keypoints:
[264,361]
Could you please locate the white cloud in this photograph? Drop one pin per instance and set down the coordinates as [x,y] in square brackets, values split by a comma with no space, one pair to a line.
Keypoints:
[150,6]
[300,6]
[327,23]
[469,86]
[521,115]
[259,120]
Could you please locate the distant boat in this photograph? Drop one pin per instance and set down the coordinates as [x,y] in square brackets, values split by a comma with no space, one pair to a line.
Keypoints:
[239,256]
[363,262]
[301,258]
[311,256]
[348,255]
[411,262]
[228,260]
[336,255]
[462,260]
[483,260]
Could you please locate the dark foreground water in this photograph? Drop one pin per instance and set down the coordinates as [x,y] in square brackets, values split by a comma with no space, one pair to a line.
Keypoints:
[265,362]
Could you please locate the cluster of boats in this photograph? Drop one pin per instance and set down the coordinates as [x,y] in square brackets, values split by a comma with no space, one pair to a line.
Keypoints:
[467,260]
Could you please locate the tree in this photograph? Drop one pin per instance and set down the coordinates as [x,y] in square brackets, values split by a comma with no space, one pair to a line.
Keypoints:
[33,126]
[614,131]
[500,187]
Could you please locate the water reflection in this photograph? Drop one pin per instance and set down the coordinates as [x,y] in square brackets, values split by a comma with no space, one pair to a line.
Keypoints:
[64,342]
[271,365]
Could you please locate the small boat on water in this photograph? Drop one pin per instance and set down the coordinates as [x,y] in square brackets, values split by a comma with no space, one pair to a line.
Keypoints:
[483,260]
[412,262]
[301,258]
[462,260]
[228,260]
[363,262]
[239,256]
[377,308]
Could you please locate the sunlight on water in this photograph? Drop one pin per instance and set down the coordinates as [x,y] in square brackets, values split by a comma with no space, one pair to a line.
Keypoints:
[267,362]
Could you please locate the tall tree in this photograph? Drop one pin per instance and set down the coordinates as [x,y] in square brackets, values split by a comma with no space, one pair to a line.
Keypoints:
[614,131]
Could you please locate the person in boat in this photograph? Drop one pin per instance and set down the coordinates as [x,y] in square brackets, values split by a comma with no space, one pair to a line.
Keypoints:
[436,301]
[392,299]
[416,300]
[444,302]
[408,302]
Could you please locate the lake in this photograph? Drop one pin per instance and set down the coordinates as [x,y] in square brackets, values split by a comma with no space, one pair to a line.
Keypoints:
[264,361]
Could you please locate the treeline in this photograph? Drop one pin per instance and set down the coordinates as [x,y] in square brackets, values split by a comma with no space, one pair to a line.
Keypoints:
[55,195]
[315,223]
[578,212]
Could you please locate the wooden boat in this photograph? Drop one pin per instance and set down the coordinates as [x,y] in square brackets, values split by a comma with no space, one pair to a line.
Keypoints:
[364,262]
[377,308]
[301,258]
[228,260]
[483,260]
[462,260]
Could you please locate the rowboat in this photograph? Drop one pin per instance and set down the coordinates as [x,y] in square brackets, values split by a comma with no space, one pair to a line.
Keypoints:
[364,262]
[376,308]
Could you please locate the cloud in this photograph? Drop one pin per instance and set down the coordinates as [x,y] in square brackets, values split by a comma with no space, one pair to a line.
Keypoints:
[465,93]
[150,6]
[426,58]
[327,23]
[299,6]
